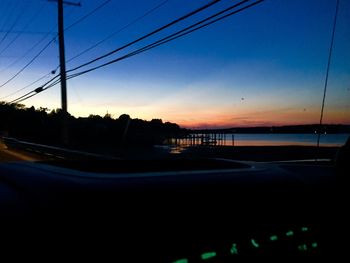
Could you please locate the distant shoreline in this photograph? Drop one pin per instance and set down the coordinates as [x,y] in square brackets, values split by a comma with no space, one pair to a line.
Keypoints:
[292,129]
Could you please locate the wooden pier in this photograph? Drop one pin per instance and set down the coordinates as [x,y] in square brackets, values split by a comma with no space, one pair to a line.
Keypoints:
[207,138]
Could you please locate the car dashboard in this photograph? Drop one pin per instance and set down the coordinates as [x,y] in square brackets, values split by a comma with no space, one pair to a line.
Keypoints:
[183,211]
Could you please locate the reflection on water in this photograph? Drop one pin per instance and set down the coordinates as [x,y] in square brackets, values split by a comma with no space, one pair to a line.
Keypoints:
[279,143]
[289,139]
[177,149]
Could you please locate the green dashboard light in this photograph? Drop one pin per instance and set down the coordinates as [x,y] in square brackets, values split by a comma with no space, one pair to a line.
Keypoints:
[254,243]
[183,260]
[234,250]
[290,233]
[314,245]
[208,255]
[273,238]
[304,229]
[302,247]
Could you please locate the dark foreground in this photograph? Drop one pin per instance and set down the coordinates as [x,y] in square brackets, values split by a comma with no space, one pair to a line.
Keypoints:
[180,210]
[171,211]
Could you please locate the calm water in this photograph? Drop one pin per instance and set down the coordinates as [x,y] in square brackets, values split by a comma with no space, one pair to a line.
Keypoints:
[285,139]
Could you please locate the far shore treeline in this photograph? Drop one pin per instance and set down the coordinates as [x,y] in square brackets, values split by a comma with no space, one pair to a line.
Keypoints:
[291,129]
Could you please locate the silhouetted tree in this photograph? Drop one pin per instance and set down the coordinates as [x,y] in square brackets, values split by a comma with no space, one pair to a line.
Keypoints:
[94,133]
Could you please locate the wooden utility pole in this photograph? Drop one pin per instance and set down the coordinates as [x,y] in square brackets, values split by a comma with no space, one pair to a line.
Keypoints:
[62,57]
[63,75]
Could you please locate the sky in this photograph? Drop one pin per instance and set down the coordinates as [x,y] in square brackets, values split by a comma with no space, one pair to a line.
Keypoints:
[264,66]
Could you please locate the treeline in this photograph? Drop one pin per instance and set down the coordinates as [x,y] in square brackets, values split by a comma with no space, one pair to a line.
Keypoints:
[94,133]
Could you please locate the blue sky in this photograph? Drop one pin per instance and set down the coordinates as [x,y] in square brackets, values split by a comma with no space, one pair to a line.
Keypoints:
[273,56]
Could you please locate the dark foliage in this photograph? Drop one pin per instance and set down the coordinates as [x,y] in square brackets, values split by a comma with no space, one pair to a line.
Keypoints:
[94,133]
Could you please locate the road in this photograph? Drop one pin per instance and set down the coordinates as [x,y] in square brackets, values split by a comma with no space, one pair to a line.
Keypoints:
[15,150]
[13,155]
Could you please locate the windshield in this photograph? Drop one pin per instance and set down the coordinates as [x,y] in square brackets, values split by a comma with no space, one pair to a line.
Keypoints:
[174,131]
[244,80]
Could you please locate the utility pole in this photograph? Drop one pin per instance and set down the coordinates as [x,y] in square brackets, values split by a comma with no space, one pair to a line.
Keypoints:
[62,57]
[63,74]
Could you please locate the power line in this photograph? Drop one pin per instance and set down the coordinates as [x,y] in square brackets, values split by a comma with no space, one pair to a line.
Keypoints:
[55,80]
[87,15]
[92,47]
[17,18]
[8,15]
[18,34]
[39,89]
[51,31]
[159,29]
[28,51]
[176,35]
[162,41]
[25,96]
[25,87]
[48,44]
[167,39]
[26,32]
[330,52]
[29,63]
[169,24]
[34,92]
[118,31]
[149,34]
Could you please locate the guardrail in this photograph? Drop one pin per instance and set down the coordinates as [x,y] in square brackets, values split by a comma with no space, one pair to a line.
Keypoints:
[53,151]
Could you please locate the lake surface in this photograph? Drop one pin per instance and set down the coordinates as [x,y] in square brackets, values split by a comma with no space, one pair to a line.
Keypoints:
[282,139]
